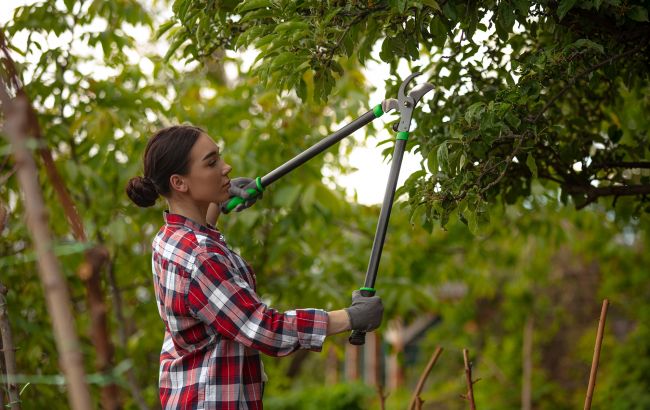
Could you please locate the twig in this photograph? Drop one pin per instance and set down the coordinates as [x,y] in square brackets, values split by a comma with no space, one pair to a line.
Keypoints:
[416,401]
[594,361]
[9,352]
[382,396]
[470,383]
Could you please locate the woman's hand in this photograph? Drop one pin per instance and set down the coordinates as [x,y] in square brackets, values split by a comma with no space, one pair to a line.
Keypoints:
[238,188]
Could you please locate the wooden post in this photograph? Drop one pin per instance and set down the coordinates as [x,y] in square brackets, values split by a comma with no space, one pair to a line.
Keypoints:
[351,362]
[9,351]
[331,366]
[371,359]
[527,362]
[596,358]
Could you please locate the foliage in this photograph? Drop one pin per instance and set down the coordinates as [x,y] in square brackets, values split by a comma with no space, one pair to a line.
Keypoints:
[97,104]
[349,396]
[526,91]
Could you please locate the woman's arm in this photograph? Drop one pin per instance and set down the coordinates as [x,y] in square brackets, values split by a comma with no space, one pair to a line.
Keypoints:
[213,214]
[338,322]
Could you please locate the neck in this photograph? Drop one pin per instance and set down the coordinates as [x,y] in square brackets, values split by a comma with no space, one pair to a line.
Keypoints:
[193,211]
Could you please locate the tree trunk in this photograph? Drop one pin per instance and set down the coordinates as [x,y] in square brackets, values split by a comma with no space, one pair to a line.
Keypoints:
[56,292]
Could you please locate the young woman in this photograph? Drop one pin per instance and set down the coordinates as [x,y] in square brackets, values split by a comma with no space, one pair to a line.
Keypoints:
[215,323]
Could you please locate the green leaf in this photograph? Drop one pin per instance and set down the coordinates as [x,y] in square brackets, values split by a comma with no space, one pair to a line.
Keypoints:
[564,7]
[530,162]
[443,156]
[252,5]
[638,13]
[433,4]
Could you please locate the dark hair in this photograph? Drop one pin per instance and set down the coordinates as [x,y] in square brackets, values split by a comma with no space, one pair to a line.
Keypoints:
[167,153]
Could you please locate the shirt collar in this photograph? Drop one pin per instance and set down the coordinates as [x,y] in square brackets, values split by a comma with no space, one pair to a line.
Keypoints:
[180,220]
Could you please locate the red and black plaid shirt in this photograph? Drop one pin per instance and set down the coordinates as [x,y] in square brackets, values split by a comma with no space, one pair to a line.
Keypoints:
[215,324]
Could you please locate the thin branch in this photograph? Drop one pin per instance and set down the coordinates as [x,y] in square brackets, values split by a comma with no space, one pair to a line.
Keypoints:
[9,351]
[594,361]
[416,401]
[593,193]
[468,378]
[573,81]
[382,396]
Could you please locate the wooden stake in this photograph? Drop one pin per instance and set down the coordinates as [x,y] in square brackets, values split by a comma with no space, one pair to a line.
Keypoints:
[416,401]
[468,378]
[527,362]
[596,358]
[9,355]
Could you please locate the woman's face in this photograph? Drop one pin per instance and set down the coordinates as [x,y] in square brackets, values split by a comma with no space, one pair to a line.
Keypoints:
[207,179]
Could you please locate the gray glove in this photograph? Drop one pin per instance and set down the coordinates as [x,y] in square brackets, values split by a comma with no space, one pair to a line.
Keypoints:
[365,312]
[237,188]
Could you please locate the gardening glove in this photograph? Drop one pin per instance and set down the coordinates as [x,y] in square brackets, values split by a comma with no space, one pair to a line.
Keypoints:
[237,188]
[365,312]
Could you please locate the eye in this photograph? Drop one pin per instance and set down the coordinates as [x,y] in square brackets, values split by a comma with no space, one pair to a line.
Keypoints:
[212,163]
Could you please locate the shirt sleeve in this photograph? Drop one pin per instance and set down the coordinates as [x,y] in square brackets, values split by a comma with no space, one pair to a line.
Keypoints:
[222,299]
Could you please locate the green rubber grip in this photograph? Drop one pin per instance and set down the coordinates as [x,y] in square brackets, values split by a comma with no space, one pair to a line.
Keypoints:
[378,111]
[403,135]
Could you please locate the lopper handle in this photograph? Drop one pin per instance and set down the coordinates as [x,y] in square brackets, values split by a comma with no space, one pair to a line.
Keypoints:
[358,337]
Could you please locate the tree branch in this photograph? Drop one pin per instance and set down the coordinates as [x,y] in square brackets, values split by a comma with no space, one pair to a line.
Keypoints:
[593,193]
[416,401]
[468,378]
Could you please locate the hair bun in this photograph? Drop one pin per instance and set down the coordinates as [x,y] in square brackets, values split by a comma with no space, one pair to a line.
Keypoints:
[142,191]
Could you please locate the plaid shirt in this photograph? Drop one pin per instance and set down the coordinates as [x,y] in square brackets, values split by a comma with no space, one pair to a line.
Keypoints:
[215,324]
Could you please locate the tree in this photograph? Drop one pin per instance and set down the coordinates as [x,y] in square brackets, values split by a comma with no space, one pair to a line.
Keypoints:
[547,91]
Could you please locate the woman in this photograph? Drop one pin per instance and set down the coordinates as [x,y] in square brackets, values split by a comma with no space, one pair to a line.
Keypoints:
[215,323]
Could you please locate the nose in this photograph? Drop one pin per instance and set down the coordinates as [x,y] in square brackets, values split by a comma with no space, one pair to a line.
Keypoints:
[226,169]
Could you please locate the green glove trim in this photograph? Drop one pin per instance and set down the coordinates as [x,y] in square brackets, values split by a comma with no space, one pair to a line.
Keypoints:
[403,135]
[258,181]
[378,111]
[368,289]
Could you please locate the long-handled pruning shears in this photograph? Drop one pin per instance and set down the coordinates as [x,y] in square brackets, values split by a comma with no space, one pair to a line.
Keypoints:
[405,104]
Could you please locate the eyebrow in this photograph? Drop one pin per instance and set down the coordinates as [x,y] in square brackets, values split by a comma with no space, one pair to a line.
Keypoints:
[211,154]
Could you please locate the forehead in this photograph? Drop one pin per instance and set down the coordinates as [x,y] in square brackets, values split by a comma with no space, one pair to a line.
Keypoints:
[203,145]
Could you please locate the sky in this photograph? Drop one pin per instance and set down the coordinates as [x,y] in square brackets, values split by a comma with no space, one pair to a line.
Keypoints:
[368,182]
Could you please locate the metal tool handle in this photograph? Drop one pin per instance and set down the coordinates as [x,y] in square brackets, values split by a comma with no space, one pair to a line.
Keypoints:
[310,153]
[358,338]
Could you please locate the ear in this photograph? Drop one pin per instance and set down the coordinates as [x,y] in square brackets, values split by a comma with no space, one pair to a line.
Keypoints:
[177,183]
